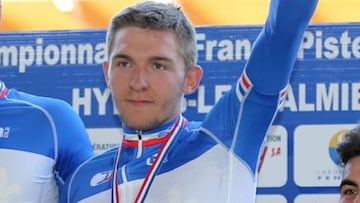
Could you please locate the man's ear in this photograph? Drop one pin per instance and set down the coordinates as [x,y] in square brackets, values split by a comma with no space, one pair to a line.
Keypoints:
[192,79]
[105,72]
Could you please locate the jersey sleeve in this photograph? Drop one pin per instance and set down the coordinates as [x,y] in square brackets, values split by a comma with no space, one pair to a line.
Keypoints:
[241,119]
[72,142]
[274,52]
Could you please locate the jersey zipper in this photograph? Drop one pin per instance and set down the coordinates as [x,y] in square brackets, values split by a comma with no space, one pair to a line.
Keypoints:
[140,144]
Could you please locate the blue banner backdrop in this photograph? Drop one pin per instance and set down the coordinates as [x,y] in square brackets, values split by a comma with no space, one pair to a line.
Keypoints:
[300,163]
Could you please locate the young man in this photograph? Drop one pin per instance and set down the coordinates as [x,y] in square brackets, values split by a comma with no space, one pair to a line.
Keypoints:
[349,153]
[152,64]
[42,141]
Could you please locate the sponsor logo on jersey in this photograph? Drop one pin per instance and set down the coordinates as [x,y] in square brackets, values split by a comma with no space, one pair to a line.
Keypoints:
[101,178]
[4,132]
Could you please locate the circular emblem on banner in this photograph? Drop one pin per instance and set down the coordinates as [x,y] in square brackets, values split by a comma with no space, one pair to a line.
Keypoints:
[334,141]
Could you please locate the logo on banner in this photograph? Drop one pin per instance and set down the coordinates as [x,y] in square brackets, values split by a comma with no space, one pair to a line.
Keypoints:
[334,141]
[315,148]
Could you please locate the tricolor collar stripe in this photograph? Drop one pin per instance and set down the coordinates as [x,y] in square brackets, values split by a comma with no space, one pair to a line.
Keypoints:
[146,143]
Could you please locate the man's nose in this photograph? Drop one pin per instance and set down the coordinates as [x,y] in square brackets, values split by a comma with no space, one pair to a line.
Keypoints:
[139,80]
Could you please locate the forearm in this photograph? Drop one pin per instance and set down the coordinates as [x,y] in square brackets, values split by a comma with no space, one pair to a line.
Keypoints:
[274,51]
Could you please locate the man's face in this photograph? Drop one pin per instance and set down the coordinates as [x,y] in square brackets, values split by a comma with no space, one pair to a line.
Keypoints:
[350,185]
[146,74]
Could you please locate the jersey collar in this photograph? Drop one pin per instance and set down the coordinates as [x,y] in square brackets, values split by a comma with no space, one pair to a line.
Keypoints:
[159,132]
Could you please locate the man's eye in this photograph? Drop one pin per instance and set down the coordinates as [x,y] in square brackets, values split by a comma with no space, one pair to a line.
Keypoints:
[349,192]
[124,64]
[159,66]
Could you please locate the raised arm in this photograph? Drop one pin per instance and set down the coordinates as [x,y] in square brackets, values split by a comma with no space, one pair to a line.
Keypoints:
[274,51]
[242,117]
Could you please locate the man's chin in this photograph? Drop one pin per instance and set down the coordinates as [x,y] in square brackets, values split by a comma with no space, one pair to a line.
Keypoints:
[139,124]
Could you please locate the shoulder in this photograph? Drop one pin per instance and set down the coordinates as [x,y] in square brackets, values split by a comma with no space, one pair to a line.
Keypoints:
[54,108]
[98,166]
[193,126]
[104,160]
[92,177]
[36,101]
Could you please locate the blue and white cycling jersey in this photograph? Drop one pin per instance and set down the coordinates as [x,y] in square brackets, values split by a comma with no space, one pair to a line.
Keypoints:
[189,160]
[42,140]
[215,160]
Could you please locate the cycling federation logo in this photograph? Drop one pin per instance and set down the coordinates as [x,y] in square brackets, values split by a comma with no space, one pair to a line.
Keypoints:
[334,141]
[101,178]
